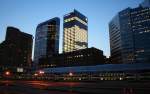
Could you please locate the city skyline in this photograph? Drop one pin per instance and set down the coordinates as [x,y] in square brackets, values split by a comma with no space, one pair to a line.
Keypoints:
[79,46]
[26,18]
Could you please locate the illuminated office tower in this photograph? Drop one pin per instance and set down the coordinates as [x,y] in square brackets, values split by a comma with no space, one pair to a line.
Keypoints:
[130,35]
[46,39]
[75,34]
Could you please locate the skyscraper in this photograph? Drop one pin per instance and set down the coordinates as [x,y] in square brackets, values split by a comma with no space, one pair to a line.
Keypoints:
[146,3]
[130,36]
[16,50]
[75,34]
[47,39]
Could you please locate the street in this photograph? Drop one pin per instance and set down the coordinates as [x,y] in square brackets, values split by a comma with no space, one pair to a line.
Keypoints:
[47,87]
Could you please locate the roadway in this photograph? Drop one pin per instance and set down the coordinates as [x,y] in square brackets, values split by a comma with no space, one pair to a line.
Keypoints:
[47,87]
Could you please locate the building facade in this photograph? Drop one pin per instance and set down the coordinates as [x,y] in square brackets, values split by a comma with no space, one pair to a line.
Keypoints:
[146,3]
[130,36]
[75,33]
[16,50]
[47,39]
[126,72]
[82,57]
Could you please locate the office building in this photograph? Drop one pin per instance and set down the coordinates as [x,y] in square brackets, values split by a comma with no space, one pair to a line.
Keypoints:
[130,36]
[82,57]
[16,50]
[46,39]
[75,34]
[146,3]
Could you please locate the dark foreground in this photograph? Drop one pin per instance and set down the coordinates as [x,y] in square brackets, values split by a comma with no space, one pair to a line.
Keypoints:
[46,87]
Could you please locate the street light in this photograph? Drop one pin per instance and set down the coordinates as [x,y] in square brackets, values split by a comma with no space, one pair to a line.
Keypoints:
[7,73]
[70,74]
[41,72]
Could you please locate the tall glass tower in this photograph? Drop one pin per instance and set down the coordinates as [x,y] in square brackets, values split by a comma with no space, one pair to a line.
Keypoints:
[47,39]
[75,34]
[130,36]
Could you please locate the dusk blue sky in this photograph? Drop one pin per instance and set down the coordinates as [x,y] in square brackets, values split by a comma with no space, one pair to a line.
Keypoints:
[27,14]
